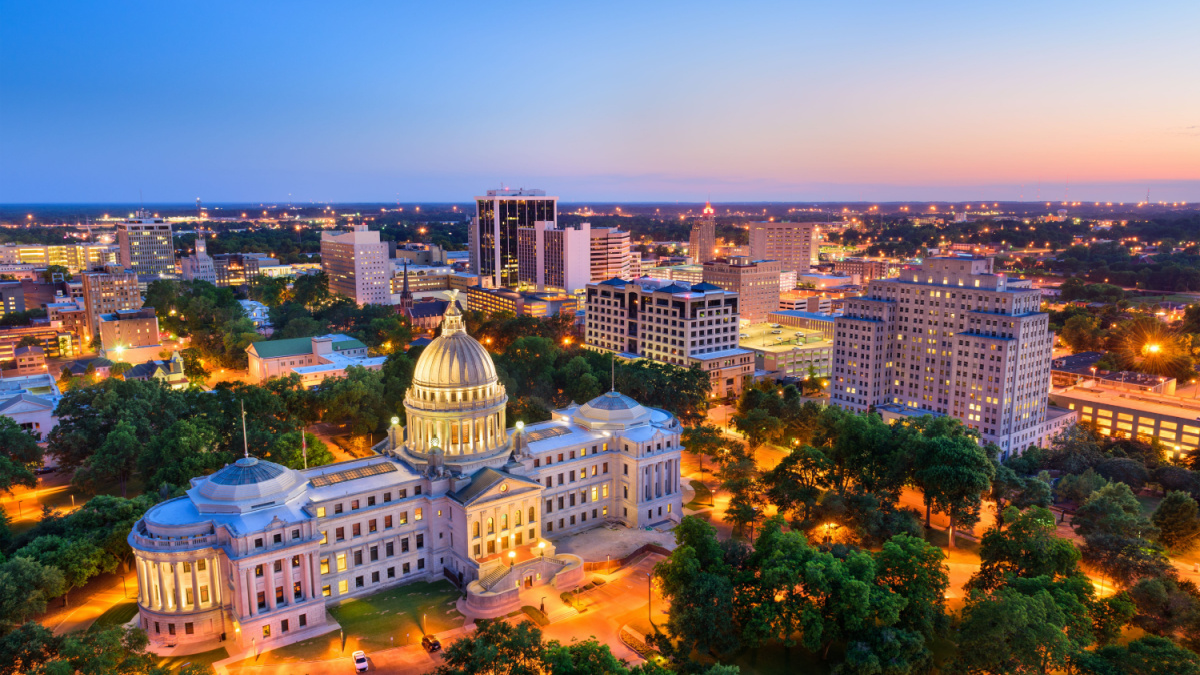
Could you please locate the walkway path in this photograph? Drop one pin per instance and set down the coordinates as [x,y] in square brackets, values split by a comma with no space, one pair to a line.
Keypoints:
[108,593]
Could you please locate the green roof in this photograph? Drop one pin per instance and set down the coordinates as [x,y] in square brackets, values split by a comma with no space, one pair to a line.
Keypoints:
[272,349]
[348,343]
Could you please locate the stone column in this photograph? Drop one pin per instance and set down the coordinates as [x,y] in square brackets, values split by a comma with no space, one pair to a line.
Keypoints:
[161,604]
[289,595]
[177,571]
[216,580]
[315,573]
[269,576]
[196,588]
[141,577]
[251,592]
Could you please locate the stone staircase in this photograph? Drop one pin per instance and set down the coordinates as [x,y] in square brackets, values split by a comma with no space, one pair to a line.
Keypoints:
[564,612]
[494,577]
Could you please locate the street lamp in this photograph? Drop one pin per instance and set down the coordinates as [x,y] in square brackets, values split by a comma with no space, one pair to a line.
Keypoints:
[512,558]
[650,597]
[542,548]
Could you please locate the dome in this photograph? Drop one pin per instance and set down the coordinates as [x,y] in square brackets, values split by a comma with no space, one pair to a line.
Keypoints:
[248,478]
[613,407]
[454,359]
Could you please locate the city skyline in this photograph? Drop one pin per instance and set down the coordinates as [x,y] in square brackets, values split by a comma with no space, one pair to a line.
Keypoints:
[863,102]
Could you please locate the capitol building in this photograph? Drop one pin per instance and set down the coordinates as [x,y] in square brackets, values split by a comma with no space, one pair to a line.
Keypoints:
[254,552]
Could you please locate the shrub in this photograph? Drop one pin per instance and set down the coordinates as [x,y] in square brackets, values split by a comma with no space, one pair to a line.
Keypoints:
[536,615]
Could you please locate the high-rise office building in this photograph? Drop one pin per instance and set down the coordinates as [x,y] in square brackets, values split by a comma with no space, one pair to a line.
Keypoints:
[755,281]
[107,293]
[671,322]
[794,245]
[954,338]
[74,257]
[492,239]
[554,258]
[357,265]
[146,246]
[702,245]
[610,254]
[199,266]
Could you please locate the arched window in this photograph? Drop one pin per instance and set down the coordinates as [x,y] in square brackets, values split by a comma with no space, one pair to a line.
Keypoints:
[517,518]
[477,528]
[531,514]
[491,526]
[504,521]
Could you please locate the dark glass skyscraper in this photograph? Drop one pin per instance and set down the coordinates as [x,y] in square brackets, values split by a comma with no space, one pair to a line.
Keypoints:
[493,235]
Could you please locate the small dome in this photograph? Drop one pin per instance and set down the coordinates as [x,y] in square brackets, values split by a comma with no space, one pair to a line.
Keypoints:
[614,407]
[454,359]
[248,478]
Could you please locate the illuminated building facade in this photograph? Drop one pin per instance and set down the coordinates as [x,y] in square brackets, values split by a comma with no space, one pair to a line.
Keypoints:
[493,240]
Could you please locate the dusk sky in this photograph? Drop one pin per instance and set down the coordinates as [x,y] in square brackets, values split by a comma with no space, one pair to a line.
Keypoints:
[643,101]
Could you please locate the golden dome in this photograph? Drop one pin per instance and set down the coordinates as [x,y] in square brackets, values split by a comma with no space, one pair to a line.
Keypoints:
[454,359]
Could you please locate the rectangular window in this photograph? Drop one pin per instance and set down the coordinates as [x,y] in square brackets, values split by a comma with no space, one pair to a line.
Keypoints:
[304,617]
[283,626]
[354,505]
[389,549]
[326,590]
[343,587]
[356,529]
[387,497]
[324,537]
[200,566]
[404,517]
[258,570]
[324,565]
[420,541]
[406,568]
[403,494]
[371,525]
[374,553]
[370,501]
[358,582]
[391,573]
[278,539]
[204,594]
[374,577]
[278,565]
[266,630]
[357,558]
[187,595]
[404,545]
[420,563]
[417,514]
[189,628]
[337,508]
[339,534]
[387,522]
[341,562]
[262,599]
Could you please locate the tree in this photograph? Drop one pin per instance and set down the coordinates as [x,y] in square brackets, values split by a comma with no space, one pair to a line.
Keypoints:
[79,560]
[114,650]
[698,583]
[1117,538]
[119,369]
[915,569]
[1168,607]
[1178,521]
[25,586]
[757,425]
[51,270]
[29,341]
[287,451]
[796,484]
[496,648]
[1082,333]
[702,441]
[1078,487]
[1006,631]
[355,401]
[956,474]
[1024,544]
[115,459]
[1150,655]
[20,454]
[1123,470]
[1074,450]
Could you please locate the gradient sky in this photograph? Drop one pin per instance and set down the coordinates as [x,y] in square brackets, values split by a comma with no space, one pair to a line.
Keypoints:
[640,101]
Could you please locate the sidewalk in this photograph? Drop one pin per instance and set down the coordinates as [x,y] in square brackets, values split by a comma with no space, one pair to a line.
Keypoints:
[83,615]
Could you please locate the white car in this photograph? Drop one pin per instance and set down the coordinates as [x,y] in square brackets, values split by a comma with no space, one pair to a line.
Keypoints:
[360,661]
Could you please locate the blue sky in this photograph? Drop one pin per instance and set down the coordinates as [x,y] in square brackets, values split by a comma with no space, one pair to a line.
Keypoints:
[784,101]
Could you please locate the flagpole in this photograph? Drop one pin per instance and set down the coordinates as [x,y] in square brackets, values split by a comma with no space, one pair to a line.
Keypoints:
[245,443]
[304,447]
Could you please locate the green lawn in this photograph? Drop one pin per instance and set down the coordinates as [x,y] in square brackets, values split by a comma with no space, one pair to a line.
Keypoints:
[117,615]
[208,658]
[703,496]
[388,618]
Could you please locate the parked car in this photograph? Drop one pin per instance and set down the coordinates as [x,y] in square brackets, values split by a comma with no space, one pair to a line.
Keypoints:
[431,644]
[360,661]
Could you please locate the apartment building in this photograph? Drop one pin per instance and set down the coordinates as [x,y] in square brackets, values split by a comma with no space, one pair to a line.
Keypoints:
[12,297]
[75,257]
[492,300]
[952,338]
[357,265]
[673,323]
[755,281]
[492,239]
[146,246]
[865,269]
[794,245]
[702,243]
[553,258]
[108,293]
[610,254]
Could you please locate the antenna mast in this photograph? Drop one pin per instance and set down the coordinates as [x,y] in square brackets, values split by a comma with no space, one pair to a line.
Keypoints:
[245,443]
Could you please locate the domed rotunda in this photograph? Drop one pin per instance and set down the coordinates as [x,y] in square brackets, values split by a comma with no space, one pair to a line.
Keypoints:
[455,407]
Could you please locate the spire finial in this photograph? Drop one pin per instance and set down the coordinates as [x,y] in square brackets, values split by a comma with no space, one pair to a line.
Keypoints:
[452,322]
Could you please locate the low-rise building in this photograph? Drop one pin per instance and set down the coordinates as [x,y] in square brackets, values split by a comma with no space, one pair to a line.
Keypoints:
[313,359]
[492,300]
[785,352]
[1081,368]
[168,371]
[819,322]
[12,297]
[1174,422]
[30,401]
[805,301]
[257,312]
[30,360]
[824,281]
[130,335]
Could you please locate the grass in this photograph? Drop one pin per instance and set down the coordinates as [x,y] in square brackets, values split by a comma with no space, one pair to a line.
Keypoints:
[117,615]
[207,658]
[703,496]
[385,619]
[536,615]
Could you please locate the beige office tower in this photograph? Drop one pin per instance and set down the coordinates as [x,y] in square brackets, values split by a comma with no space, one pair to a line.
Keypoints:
[357,265]
[610,254]
[953,338]
[755,281]
[146,246]
[108,293]
[550,258]
[702,245]
[794,245]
